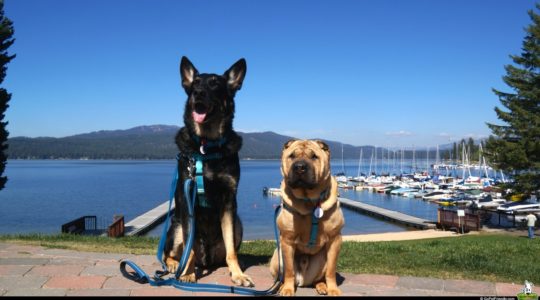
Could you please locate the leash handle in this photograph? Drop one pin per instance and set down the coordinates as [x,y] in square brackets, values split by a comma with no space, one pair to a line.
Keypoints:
[139,276]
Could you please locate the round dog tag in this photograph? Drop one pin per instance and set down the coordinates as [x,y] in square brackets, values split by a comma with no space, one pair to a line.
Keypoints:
[201,149]
[318,213]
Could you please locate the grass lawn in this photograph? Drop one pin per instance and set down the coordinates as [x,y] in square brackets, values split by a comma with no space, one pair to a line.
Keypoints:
[486,257]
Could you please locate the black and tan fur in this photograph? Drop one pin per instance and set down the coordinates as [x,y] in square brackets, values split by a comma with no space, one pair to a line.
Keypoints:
[208,115]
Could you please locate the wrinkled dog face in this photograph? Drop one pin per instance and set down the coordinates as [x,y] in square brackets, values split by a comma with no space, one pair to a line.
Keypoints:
[305,164]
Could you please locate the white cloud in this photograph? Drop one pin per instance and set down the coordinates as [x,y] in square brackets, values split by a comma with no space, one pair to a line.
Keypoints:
[445,135]
[399,133]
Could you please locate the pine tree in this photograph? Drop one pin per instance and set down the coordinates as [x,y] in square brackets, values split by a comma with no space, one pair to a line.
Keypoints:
[514,146]
[6,40]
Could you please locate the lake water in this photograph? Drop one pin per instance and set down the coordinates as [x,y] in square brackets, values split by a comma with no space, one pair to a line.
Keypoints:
[41,195]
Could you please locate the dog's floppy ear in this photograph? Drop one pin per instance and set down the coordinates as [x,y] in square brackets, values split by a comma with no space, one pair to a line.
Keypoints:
[188,73]
[289,143]
[323,145]
[235,75]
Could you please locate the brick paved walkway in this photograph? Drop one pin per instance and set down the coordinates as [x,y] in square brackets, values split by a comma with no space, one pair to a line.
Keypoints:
[37,271]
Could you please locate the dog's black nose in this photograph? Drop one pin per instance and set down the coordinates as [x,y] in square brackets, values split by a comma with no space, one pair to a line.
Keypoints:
[299,167]
[199,93]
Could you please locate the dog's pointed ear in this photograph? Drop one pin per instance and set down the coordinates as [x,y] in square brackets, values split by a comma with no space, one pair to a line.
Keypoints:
[188,73]
[289,143]
[235,75]
[323,145]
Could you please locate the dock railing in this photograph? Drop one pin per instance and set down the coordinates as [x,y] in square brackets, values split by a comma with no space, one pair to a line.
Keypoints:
[80,225]
[449,219]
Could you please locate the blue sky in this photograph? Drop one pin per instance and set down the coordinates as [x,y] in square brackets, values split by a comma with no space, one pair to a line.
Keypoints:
[386,73]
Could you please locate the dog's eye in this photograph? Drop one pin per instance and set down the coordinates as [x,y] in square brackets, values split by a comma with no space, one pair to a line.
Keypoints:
[314,157]
[291,156]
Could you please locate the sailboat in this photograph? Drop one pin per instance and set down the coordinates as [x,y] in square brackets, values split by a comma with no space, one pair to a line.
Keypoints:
[341,178]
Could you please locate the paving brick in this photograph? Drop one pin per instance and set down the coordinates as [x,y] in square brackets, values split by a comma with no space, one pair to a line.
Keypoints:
[371,279]
[98,292]
[142,260]
[404,292]
[216,279]
[118,282]
[480,288]
[218,271]
[160,291]
[10,254]
[420,283]
[27,261]
[60,253]
[306,292]
[361,289]
[113,270]
[14,270]
[15,282]
[36,292]
[71,261]
[352,290]
[75,282]
[107,263]
[261,276]
[508,289]
[23,249]
[56,270]
[101,256]
[212,294]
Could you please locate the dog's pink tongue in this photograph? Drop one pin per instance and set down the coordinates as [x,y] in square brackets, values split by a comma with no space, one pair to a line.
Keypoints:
[199,118]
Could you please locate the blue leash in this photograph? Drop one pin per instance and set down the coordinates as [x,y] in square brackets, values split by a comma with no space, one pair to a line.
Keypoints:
[190,188]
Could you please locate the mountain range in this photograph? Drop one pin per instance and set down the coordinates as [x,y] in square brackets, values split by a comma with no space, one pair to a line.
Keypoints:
[157,142]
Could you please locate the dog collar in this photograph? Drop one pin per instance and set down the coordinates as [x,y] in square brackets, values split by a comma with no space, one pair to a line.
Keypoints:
[323,195]
[205,144]
[315,215]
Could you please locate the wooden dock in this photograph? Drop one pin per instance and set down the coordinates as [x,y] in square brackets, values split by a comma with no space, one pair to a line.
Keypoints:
[387,214]
[147,221]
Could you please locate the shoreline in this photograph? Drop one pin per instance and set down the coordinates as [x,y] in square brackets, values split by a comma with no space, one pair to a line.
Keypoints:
[396,236]
[403,235]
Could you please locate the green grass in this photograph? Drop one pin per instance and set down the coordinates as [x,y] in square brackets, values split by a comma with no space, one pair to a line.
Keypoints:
[128,245]
[487,257]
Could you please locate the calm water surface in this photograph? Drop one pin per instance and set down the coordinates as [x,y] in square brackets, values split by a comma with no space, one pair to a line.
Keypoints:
[42,195]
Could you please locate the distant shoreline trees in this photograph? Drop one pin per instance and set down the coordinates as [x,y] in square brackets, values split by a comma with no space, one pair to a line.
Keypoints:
[514,146]
[6,40]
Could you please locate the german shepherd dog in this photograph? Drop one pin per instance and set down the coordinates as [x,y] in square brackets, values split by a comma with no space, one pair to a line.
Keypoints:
[208,132]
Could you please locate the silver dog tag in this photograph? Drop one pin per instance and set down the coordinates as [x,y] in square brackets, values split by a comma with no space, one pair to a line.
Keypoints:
[201,149]
[318,212]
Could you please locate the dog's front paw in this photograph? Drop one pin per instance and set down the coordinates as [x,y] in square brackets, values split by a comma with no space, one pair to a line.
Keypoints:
[188,278]
[242,280]
[286,290]
[334,292]
[172,264]
[321,288]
